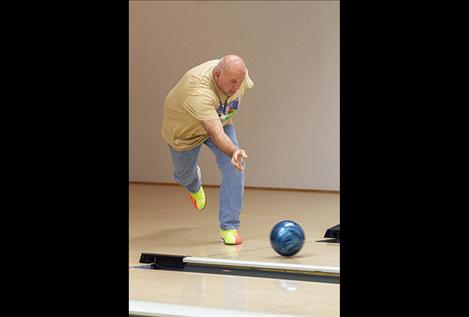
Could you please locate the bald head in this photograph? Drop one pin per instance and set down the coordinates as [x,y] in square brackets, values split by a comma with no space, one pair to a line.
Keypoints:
[229,73]
[232,63]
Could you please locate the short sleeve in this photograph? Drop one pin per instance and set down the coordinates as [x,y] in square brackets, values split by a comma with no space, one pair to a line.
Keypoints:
[201,107]
[249,84]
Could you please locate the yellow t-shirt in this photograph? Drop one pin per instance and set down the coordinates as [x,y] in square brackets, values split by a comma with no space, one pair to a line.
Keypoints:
[196,98]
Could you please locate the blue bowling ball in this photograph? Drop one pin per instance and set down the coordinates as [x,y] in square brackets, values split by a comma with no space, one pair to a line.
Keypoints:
[287,238]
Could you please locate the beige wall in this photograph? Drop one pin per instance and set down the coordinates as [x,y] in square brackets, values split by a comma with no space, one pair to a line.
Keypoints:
[289,122]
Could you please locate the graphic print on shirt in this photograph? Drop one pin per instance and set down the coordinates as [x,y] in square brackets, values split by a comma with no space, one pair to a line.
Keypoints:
[226,111]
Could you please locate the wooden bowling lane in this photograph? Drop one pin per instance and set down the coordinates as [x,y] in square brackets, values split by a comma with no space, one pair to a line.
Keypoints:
[162,220]
[212,294]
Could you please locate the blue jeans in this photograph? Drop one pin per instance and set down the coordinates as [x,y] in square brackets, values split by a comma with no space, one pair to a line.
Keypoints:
[232,183]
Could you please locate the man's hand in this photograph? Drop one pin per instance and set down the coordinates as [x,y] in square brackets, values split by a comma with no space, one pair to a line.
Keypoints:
[237,159]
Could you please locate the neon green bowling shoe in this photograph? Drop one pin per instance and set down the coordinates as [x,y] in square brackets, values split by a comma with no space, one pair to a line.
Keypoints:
[231,236]
[198,199]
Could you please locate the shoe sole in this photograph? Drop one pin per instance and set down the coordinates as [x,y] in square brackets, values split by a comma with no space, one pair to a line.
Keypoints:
[195,204]
[222,240]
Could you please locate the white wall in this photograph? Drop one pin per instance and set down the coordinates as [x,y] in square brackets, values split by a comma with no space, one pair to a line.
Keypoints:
[289,122]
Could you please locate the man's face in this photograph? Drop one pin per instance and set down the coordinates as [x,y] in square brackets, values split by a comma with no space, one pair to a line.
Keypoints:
[230,81]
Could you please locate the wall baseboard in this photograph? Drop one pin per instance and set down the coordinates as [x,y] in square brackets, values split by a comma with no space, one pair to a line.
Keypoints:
[246,187]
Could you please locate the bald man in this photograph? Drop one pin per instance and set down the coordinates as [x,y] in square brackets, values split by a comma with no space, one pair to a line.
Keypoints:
[199,110]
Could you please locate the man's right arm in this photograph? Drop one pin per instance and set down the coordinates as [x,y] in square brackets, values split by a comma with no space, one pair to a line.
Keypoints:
[215,130]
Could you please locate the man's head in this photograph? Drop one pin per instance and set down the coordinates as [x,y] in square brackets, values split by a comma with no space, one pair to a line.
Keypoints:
[229,73]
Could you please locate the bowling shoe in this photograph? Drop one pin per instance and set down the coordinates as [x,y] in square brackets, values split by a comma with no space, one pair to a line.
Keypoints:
[198,199]
[230,236]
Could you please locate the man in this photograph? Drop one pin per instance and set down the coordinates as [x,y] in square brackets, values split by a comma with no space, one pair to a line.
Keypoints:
[199,110]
